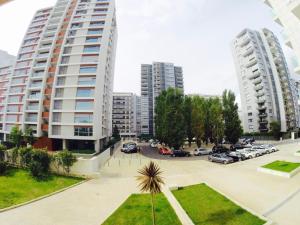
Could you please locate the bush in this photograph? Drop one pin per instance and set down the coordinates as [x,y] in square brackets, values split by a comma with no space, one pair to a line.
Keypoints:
[40,163]
[3,167]
[25,156]
[2,152]
[66,159]
[15,155]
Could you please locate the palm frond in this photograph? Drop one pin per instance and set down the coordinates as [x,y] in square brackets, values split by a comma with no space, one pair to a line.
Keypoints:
[150,179]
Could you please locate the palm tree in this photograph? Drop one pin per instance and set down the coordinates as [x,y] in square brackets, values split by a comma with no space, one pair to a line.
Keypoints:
[151,181]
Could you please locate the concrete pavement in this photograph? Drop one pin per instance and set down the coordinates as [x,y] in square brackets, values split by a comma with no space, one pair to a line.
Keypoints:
[92,202]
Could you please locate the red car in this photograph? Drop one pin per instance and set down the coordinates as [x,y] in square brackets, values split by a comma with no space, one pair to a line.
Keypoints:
[165,151]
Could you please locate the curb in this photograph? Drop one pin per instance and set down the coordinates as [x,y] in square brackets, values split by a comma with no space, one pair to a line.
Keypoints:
[42,197]
[279,173]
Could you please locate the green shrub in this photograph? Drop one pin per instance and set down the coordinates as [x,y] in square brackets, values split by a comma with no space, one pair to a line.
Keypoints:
[66,159]
[2,152]
[15,155]
[25,156]
[3,167]
[40,163]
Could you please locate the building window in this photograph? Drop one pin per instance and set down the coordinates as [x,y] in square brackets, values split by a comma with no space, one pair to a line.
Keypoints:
[87,80]
[88,69]
[83,131]
[56,117]
[83,118]
[56,130]
[59,92]
[90,58]
[85,92]
[58,104]
[60,81]
[84,105]
[92,39]
[92,48]
[97,24]
[65,59]
[63,70]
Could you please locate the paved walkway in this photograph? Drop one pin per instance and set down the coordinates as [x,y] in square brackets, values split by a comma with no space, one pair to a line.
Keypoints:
[92,202]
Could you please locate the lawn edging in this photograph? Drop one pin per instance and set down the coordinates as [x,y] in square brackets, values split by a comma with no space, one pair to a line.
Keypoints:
[279,173]
[268,221]
[42,197]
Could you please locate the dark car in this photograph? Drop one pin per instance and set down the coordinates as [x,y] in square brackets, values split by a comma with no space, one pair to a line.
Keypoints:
[219,149]
[130,148]
[180,153]
[237,146]
[236,156]
[220,158]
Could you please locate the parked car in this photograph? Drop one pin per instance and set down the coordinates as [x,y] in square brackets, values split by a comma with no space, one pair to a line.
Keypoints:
[236,156]
[271,148]
[237,146]
[180,153]
[248,154]
[202,151]
[165,151]
[129,148]
[219,149]
[220,158]
[260,149]
[153,145]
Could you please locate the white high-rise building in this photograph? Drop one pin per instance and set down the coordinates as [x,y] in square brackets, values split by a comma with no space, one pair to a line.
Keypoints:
[124,113]
[156,78]
[264,81]
[287,14]
[62,81]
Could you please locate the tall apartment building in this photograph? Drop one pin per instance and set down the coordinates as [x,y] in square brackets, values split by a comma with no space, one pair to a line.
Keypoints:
[6,59]
[156,78]
[124,113]
[62,81]
[5,76]
[287,14]
[264,82]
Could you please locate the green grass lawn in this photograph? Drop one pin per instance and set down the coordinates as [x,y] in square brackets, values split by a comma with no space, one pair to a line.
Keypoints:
[207,207]
[282,166]
[18,186]
[136,210]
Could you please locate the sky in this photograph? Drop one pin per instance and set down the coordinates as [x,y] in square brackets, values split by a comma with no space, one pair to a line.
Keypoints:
[194,34]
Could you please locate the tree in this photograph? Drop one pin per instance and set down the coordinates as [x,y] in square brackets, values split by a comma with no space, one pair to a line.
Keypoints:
[40,163]
[151,181]
[28,136]
[216,121]
[188,111]
[198,119]
[233,128]
[160,117]
[169,118]
[275,129]
[66,160]
[15,136]
[116,133]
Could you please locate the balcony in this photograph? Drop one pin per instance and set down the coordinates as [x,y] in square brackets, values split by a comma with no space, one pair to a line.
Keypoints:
[258,87]
[31,119]
[244,42]
[251,63]
[261,100]
[296,8]
[259,94]
[34,96]
[257,81]
[264,121]
[261,107]
[263,115]
[276,18]
[254,75]
[32,107]
[248,52]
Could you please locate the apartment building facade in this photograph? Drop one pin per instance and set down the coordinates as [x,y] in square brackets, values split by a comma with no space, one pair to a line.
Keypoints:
[61,84]
[264,81]
[156,78]
[124,114]
[286,13]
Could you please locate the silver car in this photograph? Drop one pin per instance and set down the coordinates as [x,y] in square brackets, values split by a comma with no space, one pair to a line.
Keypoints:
[271,148]
[202,151]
